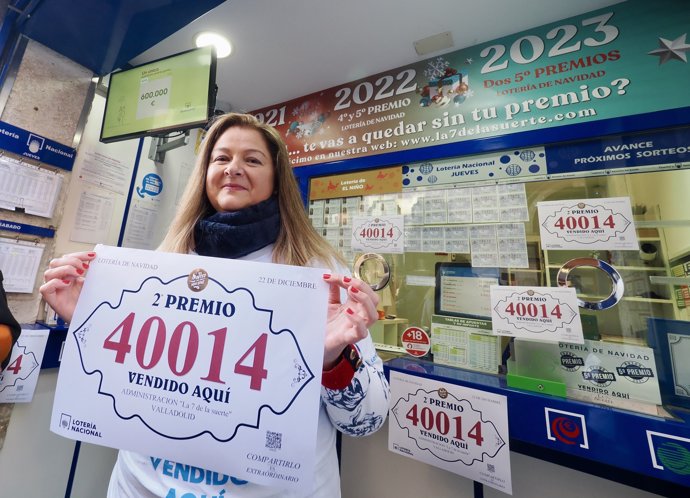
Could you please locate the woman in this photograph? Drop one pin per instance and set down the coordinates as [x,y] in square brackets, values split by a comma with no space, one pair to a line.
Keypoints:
[242,202]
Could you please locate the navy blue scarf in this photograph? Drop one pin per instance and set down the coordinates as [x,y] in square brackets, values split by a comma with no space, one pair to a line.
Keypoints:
[238,233]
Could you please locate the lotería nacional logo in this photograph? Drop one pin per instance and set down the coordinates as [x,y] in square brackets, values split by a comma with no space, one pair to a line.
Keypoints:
[197,280]
[635,372]
[80,426]
[599,376]
[65,421]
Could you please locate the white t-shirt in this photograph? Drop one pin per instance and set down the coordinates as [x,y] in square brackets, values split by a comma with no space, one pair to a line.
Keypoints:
[358,410]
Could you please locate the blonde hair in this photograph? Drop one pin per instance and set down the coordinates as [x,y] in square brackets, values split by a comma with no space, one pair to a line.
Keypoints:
[297,244]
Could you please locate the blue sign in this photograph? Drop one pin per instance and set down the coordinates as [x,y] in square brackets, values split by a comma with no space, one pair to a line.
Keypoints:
[152,184]
[13,226]
[633,152]
[33,146]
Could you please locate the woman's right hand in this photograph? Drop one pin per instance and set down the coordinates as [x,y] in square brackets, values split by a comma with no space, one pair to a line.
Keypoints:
[64,279]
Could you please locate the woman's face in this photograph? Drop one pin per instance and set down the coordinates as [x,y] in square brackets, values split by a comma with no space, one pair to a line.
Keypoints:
[240,172]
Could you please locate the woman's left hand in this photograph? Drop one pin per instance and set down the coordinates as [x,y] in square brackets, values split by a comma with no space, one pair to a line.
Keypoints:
[347,322]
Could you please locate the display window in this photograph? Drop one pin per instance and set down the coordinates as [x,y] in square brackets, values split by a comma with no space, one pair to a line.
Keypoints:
[460,242]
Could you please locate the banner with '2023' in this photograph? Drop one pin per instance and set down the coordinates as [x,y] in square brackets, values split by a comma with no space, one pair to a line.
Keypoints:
[596,66]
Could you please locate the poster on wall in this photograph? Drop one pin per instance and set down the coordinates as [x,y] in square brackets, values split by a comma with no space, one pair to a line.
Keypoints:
[597,66]
[104,170]
[19,262]
[94,217]
[28,189]
[206,361]
[589,224]
[458,429]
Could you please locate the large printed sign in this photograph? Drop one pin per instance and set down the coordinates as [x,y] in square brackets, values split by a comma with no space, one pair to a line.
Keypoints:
[456,428]
[539,313]
[601,65]
[204,361]
[521,164]
[587,224]
[668,149]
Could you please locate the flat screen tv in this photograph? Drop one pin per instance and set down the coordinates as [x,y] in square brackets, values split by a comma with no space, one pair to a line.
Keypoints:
[463,290]
[171,94]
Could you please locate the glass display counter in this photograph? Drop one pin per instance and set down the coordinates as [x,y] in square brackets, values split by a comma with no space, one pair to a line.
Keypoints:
[434,234]
[496,227]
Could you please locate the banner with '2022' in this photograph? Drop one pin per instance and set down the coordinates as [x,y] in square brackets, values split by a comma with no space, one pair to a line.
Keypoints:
[600,65]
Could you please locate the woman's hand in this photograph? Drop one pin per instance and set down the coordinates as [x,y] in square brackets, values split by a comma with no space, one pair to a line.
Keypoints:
[347,322]
[64,279]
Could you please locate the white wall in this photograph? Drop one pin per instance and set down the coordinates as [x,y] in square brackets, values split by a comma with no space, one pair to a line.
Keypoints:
[122,152]
[160,209]
[666,193]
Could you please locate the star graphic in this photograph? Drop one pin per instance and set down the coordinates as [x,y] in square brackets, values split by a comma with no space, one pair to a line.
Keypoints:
[468,61]
[671,49]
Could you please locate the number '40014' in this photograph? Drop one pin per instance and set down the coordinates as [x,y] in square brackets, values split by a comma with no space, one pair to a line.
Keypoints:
[369,232]
[154,329]
[442,423]
[584,222]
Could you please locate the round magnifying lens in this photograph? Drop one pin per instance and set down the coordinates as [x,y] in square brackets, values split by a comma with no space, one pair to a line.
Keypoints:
[617,287]
[372,269]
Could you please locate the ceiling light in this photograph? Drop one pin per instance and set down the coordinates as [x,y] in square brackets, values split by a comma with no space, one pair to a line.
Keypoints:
[206,38]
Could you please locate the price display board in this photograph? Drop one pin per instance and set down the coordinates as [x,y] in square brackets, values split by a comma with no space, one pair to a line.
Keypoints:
[539,313]
[456,428]
[203,361]
[587,224]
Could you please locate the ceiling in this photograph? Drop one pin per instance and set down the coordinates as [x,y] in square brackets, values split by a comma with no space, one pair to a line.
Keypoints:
[283,49]
[102,35]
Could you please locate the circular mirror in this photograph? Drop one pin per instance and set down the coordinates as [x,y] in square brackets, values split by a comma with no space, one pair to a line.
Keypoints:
[617,287]
[372,269]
